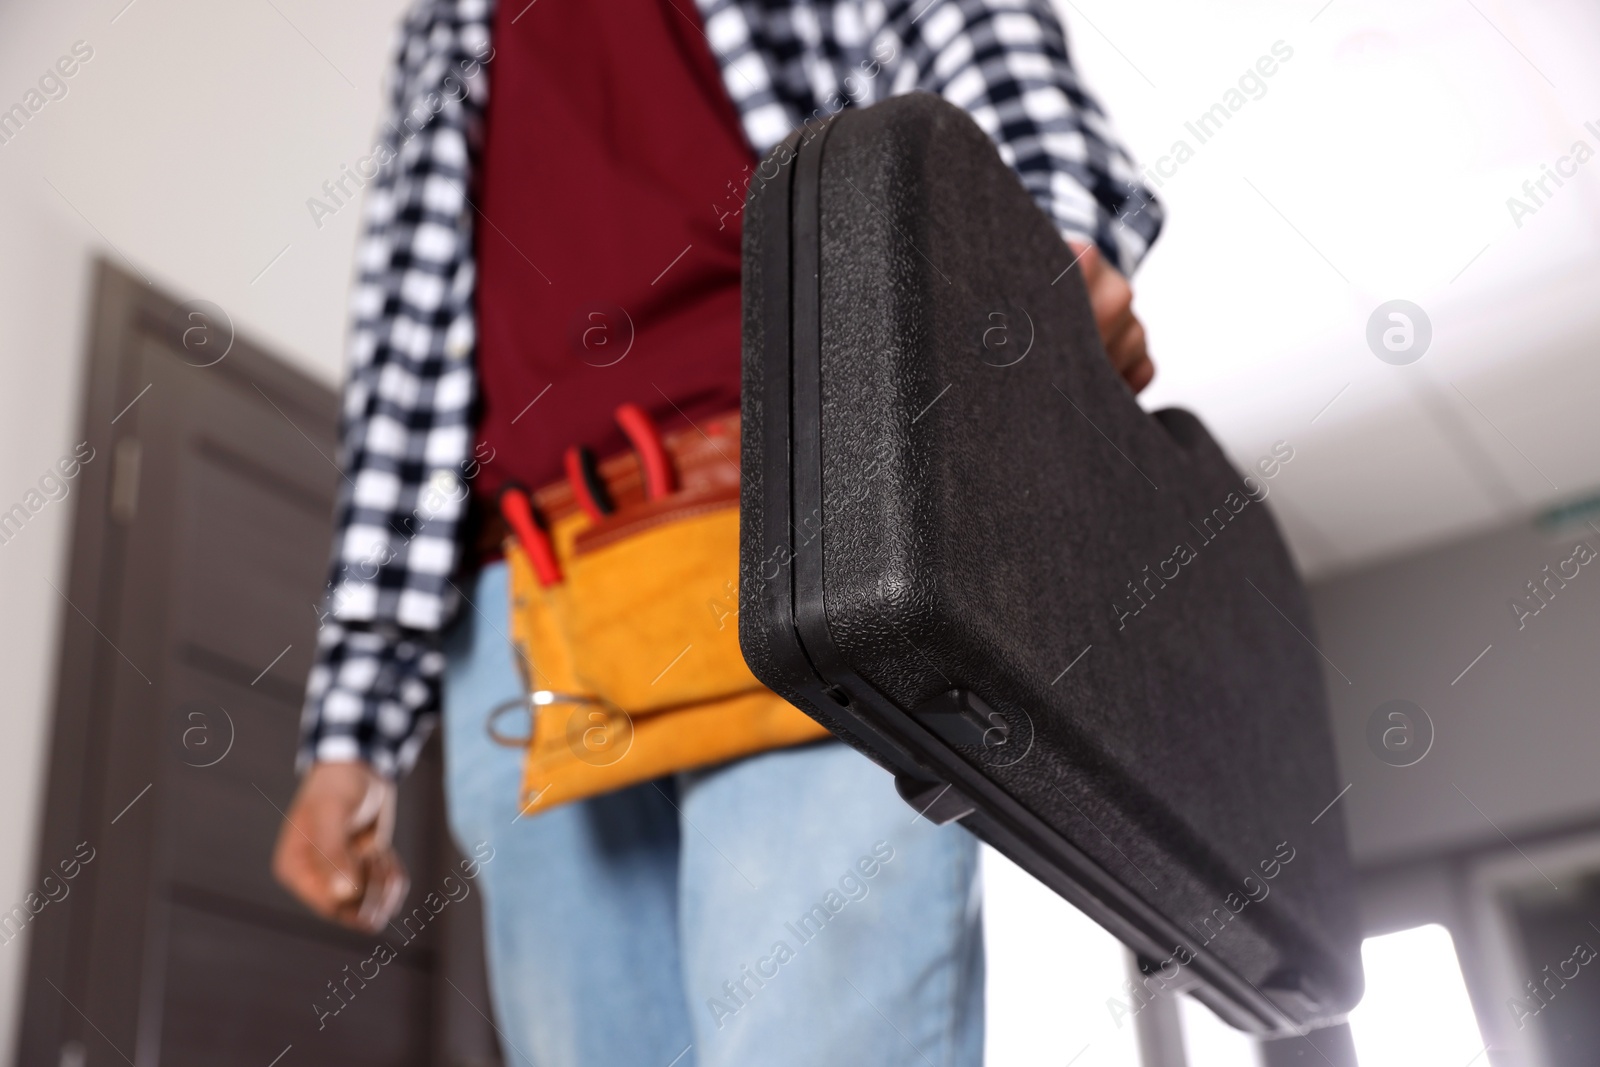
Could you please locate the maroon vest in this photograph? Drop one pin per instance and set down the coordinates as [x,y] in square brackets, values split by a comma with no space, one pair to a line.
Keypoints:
[607,234]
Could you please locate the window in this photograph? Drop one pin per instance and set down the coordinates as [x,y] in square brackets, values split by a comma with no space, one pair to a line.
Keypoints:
[1416,1008]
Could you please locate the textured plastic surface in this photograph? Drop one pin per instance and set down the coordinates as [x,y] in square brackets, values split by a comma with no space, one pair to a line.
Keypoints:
[947,488]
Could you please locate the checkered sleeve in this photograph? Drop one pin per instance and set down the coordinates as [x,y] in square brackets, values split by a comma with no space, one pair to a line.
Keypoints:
[406,424]
[369,689]
[1006,63]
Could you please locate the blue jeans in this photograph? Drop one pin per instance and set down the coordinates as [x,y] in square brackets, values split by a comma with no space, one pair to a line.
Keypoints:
[780,910]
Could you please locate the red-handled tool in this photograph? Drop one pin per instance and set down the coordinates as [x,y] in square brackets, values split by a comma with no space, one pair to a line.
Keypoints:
[646,441]
[588,488]
[524,522]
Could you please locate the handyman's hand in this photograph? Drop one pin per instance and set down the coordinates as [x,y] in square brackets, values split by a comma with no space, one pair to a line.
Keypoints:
[335,850]
[1111,297]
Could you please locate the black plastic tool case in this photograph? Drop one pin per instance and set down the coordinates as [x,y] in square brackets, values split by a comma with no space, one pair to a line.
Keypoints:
[970,553]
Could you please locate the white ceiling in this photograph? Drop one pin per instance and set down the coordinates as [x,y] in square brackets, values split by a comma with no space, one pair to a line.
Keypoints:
[1376,166]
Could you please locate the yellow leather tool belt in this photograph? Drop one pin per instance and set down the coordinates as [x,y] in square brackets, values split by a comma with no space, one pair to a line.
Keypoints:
[624,616]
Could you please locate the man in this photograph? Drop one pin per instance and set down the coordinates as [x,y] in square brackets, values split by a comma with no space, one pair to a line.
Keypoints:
[535,256]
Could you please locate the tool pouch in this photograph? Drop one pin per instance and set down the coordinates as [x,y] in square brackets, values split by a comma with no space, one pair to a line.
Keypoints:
[629,644]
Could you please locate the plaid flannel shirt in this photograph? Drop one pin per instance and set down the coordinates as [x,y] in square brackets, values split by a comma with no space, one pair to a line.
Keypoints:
[406,427]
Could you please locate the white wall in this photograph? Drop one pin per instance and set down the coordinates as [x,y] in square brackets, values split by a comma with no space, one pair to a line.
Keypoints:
[1515,737]
[188,143]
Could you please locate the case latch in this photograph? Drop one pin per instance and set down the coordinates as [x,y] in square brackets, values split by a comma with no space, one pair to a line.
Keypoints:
[938,802]
[960,717]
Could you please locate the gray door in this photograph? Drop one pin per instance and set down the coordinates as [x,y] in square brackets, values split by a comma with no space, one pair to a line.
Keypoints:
[200,543]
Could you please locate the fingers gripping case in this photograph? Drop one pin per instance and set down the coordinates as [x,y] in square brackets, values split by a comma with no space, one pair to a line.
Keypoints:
[967,551]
